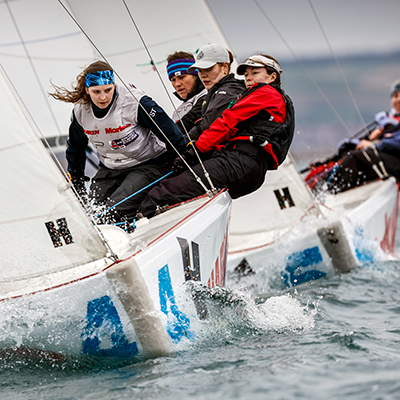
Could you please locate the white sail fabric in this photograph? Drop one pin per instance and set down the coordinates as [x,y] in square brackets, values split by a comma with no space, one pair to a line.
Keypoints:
[33,193]
[165,26]
[277,206]
[56,52]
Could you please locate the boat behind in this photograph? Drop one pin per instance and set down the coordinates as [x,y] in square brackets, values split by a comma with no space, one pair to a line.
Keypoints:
[283,228]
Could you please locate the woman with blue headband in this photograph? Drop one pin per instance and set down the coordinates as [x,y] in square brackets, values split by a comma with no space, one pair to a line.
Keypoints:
[188,88]
[132,147]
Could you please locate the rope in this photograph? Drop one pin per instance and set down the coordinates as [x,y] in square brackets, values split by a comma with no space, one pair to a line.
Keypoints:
[337,64]
[112,255]
[33,67]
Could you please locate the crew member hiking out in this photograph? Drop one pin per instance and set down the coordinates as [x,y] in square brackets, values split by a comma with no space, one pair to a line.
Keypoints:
[250,137]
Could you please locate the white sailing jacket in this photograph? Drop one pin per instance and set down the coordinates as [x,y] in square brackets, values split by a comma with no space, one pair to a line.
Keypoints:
[119,140]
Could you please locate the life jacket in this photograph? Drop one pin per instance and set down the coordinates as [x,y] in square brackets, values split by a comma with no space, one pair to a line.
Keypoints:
[119,140]
[274,137]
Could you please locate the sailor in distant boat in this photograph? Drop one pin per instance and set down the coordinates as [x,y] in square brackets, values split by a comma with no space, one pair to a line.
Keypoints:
[375,156]
[127,129]
[252,136]
[188,88]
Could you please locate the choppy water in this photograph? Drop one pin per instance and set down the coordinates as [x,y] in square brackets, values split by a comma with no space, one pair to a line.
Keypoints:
[336,338]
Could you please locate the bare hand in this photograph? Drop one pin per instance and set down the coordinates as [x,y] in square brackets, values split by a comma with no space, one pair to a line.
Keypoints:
[364,144]
[375,133]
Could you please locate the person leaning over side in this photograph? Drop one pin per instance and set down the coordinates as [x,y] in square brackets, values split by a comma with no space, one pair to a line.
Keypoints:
[188,88]
[213,62]
[379,152]
[130,146]
[251,137]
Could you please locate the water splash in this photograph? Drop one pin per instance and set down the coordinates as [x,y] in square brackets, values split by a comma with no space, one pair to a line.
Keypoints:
[236,314]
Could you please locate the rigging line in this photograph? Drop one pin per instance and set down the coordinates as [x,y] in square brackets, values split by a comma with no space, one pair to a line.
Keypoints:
[127,87]
[337,64]
[304,68]
[33,67]
[168,94]
[57,162]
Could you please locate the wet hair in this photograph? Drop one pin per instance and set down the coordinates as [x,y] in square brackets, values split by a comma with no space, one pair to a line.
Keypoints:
[270,70]
[78,93]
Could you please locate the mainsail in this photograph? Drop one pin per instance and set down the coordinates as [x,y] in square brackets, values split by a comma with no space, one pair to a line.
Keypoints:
[43,227]
[135,38]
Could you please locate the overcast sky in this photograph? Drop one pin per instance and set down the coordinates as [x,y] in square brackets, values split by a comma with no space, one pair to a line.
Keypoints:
[351,26]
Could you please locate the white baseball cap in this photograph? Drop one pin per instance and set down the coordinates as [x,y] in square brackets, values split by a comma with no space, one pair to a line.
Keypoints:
[209,55]
[258,61]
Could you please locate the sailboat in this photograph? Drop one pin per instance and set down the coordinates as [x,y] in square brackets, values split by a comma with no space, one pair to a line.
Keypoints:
[301,238]
[69,286]
[83,309]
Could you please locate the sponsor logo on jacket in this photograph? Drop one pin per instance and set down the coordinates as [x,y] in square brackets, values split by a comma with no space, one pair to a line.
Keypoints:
[96,132]
[116,130]
[117,144]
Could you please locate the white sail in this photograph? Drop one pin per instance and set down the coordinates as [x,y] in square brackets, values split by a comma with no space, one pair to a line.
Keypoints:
[43,228]
[55,50]
[112,31]
[58,50]
[125,50]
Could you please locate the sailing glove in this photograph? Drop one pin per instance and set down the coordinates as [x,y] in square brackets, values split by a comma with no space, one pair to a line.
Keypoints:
[189,155]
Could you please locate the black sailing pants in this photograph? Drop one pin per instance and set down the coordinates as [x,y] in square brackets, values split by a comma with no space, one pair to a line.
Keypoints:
[110,186]
[235,170]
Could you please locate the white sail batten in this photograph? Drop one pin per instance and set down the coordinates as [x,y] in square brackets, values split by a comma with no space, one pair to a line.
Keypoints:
[43,228]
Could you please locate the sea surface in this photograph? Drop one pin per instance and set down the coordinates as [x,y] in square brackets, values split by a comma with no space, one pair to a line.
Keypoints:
[336,338]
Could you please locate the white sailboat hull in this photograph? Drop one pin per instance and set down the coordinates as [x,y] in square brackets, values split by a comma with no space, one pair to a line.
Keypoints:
[318,239]
[135,305]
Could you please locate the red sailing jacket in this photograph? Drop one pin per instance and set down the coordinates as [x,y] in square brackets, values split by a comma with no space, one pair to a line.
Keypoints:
[253,104]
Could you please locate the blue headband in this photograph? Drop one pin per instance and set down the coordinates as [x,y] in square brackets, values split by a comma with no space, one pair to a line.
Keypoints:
[99,78]
[179,67]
